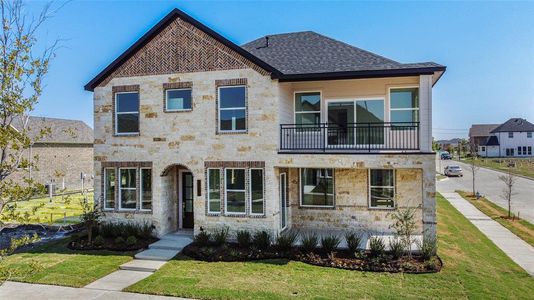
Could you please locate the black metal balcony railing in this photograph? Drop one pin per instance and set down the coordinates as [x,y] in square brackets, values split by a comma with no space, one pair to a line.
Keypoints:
[358,137]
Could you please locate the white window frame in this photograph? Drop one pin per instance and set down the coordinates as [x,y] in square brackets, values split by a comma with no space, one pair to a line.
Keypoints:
[529,135]
[116,125]
[250,191]
[388,105]
[208,191]
[227,190]
[167,100]
[105,191]
[141,189]
[333,189]
[219,109]
[529,150]
[120,190]
[510,134]
[369,187]
[295,112]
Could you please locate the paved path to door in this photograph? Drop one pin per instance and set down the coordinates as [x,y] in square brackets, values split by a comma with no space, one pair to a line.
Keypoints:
[517,249]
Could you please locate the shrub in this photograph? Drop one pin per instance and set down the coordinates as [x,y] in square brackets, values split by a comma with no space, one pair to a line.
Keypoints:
[376,246]
[330,243]
[404,225]
[428,247]
[99,240]
[353,241]
[202,238]
[286,241]
[131,240]
[220,236]
[126,229]
[396,247]
[243,238]
[262,239]
[119,240]
[309,242]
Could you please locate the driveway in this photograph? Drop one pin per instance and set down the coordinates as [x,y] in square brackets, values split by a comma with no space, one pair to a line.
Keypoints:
[490,186]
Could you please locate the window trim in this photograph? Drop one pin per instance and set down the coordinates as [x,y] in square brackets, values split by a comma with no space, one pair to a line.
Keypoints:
[333,189]
[369,186]
[219,109]
[116,113]
[320,111]
[510,134]
[529,134]
[120,189]
[177,110]
[141,188]
[208,191]
[226,212]
[250,191]
[105,191]
[388,106]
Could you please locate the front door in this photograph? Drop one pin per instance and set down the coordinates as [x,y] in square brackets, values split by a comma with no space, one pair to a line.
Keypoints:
[187,200]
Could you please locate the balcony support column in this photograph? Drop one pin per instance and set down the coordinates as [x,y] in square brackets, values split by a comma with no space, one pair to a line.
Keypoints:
[425,113]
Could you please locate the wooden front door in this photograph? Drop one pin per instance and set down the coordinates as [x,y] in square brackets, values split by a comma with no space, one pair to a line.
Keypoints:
[187,200]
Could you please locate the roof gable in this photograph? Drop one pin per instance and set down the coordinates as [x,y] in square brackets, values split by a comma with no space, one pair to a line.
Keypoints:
[178,44]
[515,125]
[481,129]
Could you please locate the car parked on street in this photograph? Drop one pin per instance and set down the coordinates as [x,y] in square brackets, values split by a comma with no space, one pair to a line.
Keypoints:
[453,170]
[446,156]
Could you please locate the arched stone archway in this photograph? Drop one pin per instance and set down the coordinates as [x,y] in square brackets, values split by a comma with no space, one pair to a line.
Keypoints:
[172,167]
[177,184]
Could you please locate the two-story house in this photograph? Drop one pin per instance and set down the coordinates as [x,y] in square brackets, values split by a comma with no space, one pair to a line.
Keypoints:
[292,130]
[513,138]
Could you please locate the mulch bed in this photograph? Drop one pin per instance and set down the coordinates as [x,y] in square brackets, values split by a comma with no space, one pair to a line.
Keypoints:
[342,259]
[109,244]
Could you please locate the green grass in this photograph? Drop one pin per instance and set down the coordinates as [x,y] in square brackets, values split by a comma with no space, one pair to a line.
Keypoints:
[521,228]
[523,166]
[51,211]
[54,263]
[474,268]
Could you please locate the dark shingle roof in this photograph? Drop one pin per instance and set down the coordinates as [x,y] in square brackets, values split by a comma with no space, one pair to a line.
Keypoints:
[61,130]
[481,129]
[492,141]
[309,52]
[515,125]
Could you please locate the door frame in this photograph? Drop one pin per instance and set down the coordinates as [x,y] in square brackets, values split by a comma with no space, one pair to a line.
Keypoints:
[179,179]
[283,217]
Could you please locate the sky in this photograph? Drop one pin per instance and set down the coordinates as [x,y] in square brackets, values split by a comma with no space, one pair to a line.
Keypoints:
[488,47]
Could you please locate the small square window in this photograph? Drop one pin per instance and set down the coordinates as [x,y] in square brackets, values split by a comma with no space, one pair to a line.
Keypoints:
[510,134]
[178,99]
[529,135]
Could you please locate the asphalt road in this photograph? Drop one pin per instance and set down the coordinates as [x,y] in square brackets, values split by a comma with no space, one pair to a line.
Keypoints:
[489,185]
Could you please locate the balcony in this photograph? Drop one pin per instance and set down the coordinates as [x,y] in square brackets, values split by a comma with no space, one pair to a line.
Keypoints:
[386,137]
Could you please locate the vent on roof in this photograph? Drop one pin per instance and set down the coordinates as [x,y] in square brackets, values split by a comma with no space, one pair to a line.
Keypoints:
[266,43]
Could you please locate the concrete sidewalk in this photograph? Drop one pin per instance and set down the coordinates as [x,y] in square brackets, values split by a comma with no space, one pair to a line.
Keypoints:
[25,291]
[517,249]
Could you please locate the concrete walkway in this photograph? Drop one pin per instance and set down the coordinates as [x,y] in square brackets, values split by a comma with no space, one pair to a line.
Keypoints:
[517,249]
[145,263]
[25,291]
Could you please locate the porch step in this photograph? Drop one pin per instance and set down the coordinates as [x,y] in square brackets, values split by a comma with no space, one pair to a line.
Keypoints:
[171,243]
[177,237]
[142,265]
[157,254]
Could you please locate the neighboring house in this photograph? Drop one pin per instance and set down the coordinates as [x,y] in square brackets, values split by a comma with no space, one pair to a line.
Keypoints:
[293,130]
[446,144]
[479,133]
[65,153]
[513,138]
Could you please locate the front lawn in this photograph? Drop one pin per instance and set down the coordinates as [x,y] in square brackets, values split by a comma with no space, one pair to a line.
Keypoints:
[523,166]
[54,263]
[473,268]
[521,228]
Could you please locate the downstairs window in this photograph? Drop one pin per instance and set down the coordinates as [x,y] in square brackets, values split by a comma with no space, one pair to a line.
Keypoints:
[381,188]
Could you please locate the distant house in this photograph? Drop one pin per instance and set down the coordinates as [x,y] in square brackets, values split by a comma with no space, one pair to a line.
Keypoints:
[446,144]
[513,138]
[479,133]
[65,154]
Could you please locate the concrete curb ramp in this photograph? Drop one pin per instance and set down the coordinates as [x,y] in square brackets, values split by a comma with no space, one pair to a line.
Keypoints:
[518,250]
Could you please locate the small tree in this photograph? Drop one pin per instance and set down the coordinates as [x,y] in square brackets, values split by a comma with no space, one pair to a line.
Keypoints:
[509,181]
[91,215]
[404,225]
[473,167]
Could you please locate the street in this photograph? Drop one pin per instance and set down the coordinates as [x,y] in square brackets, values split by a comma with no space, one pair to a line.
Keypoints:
[490,186]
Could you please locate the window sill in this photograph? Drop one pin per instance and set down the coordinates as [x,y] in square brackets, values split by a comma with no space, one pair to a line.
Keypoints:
[316,207]
[177,110]
[126,134]
[232,132]
[382,208]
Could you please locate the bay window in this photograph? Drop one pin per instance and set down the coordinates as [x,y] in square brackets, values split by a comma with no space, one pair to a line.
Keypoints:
[317,187]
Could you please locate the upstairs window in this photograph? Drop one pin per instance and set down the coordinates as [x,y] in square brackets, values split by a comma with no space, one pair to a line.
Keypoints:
[510,135]
[529,135]
[178,100]
[308,109]
[232,109]
[381,188]
[404,106]
[127,113]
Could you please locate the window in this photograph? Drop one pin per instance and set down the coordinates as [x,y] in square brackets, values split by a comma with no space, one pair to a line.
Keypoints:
[146,189]
[524,150]
[127,113]
[381,188]
[510,134]
[509,151]
[519,150]
[109,188]
[529,135]
[317,187]
[127,188]
[214,190]
[235,191]
[177,99]
[529,150]
[483,148]
[232,109]
[308,108]
[404,106]
[256,191]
